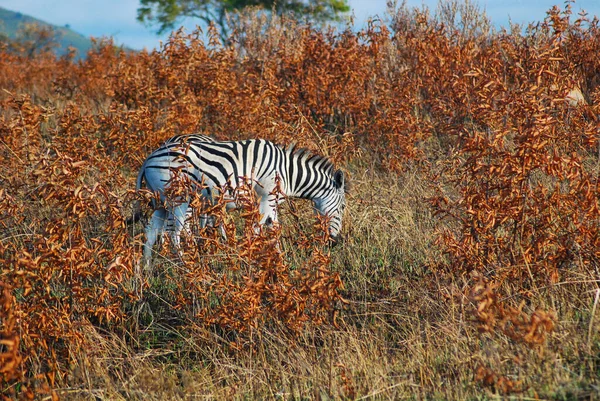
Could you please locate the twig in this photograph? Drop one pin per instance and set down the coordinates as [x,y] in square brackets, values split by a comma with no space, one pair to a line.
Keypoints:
[589,337]
[377,392]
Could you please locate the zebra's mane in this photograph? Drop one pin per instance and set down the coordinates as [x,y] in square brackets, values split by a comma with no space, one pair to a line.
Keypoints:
[293,150]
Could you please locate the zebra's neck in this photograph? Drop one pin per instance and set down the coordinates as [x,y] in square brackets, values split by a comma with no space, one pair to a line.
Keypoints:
[306,175]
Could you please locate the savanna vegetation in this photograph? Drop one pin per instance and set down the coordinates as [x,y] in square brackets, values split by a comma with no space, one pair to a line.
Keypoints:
[470,261]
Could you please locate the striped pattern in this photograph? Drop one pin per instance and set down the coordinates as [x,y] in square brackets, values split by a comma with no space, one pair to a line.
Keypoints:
[217,164]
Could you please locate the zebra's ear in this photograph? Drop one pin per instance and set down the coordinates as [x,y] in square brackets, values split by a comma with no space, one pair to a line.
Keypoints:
[338,179]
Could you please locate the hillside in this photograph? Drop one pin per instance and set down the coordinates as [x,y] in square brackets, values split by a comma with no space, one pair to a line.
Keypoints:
[10,21]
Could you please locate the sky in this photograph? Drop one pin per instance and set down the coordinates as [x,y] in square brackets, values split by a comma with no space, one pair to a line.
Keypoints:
[117,18]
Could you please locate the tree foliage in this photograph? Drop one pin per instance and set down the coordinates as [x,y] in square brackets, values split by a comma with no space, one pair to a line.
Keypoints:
[167,13]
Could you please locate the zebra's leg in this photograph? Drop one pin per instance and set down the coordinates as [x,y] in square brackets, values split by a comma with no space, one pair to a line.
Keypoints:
[153,231]
[179,215]
[207,220]
[268,211]
[221,228]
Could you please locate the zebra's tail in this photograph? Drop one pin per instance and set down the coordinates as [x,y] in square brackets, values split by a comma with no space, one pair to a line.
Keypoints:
[137,209]
[137,214]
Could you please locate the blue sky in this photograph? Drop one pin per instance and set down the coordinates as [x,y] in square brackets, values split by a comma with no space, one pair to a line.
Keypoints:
[117,18]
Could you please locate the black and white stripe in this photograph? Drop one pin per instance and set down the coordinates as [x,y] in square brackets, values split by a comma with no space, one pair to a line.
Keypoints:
[217,164]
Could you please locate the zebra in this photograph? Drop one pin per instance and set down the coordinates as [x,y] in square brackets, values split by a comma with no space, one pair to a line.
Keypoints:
[169,223]
[219,164]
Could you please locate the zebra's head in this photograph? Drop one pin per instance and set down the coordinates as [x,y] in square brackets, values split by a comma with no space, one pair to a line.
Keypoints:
[333,203]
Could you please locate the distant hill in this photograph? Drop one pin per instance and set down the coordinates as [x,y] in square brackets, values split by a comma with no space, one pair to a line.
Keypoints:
[10,21]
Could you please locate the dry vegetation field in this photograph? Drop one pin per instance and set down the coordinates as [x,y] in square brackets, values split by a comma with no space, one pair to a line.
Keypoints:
[470,264]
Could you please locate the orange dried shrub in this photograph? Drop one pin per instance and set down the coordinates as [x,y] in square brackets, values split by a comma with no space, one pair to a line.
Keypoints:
[489,378]
[518,179]
[65,251]
[311,82]
[524,197]
[245,282]
[22,125]
[492,315]
[31,75]
[356,88]
[10,357]
[69,258]
[74,265]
